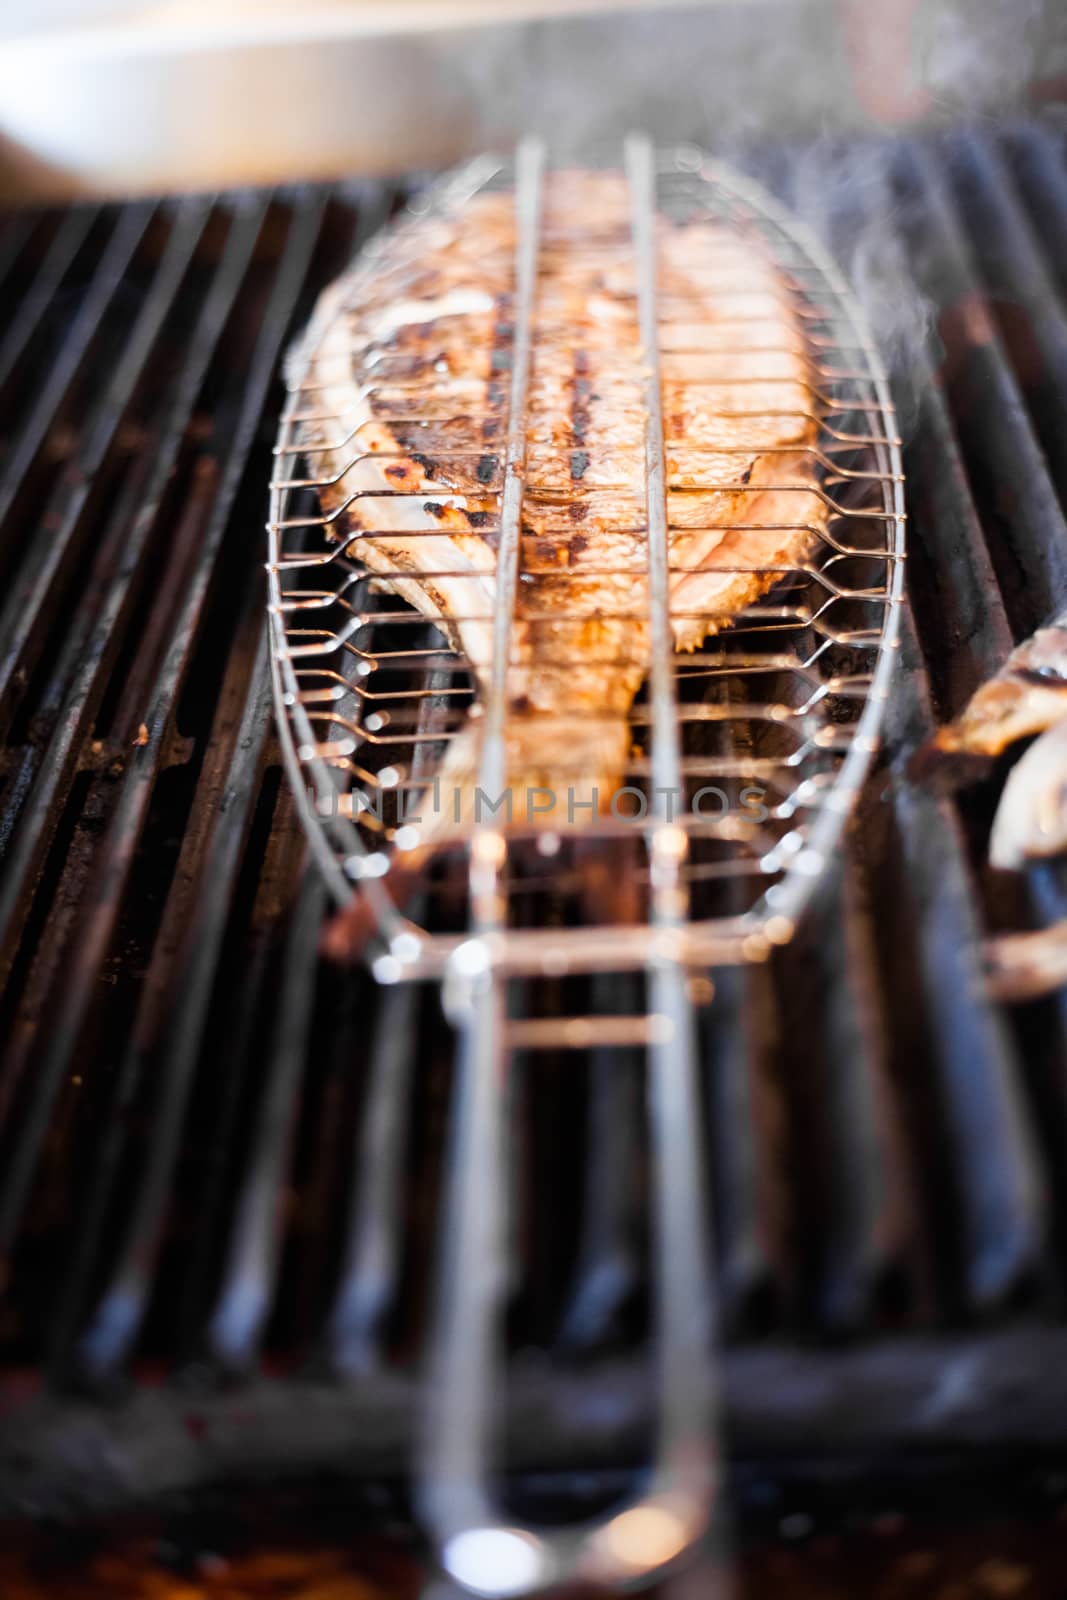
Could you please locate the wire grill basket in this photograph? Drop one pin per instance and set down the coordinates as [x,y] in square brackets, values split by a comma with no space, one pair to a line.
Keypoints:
[779,713]
[770,724]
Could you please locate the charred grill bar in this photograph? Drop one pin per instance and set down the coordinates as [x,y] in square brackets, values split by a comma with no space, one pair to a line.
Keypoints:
[218,1156]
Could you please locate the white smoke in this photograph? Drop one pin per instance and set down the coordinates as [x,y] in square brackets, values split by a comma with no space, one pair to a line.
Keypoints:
[805,90]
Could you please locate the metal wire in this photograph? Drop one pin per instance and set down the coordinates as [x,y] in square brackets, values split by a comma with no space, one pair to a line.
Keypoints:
[791,697]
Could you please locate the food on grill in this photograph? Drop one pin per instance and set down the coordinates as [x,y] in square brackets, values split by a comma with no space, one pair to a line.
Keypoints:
[1031,819]
[1025,697]
[412,349]
[1025,966]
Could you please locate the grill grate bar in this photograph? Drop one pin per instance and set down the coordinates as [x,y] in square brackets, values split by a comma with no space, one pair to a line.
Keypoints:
[117,1317]
[1035,159]
[850,1230]
[1028,536]
[250,1273]
[981,1118]
[956,595]
[964,597]
[39,786]
[25,614]
[869,1210]
[1021,292]
[70,237]
[16,241]
[371,1269]
[227,1142]
[742,1164]
[75,718]
[146,1033]
[975,1104]
[609,1265]
[79,979]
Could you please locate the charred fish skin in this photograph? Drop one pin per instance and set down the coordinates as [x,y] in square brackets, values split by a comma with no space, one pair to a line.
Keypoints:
[411,351]
[1027,695]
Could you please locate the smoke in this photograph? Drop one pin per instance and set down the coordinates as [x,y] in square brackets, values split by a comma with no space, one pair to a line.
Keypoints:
[980,58]
[800,92]
[750,70]
[843,190]
[709,73]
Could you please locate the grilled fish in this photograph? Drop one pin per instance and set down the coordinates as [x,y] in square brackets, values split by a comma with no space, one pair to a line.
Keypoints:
[410,353]
[1025,697]
[1031,819]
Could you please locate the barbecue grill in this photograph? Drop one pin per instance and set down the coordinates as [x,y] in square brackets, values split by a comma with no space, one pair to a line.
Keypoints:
[222,1159]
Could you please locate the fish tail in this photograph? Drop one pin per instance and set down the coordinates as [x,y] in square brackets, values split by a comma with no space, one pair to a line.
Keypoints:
[558,775]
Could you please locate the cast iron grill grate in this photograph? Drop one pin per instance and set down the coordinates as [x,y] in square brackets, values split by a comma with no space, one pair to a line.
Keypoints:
[220,1157]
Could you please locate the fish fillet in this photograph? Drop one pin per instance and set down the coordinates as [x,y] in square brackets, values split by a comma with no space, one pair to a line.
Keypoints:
[1025,697]
[1031,819]
[411,355]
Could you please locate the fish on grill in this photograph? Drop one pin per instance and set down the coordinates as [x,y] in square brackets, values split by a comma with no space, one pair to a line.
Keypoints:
[1031,819]
[410,353]
[1027,696]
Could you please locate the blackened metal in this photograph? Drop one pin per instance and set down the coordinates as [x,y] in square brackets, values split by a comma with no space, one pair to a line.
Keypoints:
[217,1151]
[1023,518]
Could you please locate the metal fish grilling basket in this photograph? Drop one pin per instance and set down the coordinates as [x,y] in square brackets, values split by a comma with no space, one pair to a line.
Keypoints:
[619,918]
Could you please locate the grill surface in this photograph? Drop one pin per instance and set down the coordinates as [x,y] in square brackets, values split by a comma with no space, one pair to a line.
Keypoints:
[220,1157]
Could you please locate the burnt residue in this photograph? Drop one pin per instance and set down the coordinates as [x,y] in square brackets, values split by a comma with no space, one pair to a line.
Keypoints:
[579,464]
[503,339]
[581,396]
[495,402]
